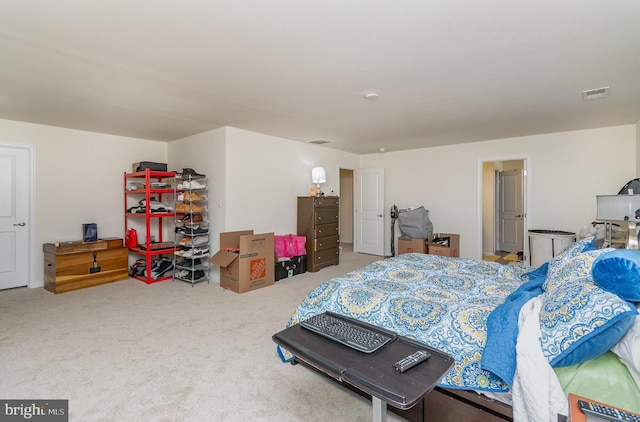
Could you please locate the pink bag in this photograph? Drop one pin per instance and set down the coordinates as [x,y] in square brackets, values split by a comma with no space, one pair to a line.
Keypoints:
[289,245]
[298,244]
[280,245]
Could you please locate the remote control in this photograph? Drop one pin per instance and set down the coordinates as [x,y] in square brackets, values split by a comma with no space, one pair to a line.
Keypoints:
[606,412]
[412,360]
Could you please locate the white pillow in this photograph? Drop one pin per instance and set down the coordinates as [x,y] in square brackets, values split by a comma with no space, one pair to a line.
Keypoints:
[628,349]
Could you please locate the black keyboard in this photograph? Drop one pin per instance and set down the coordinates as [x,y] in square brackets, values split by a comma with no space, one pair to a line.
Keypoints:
[358,335]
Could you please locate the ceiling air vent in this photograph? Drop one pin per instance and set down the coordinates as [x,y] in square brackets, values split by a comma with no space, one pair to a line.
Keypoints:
[592,94]
[319,142]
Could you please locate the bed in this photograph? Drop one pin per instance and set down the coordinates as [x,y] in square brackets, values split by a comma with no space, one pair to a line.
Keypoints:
[507,327]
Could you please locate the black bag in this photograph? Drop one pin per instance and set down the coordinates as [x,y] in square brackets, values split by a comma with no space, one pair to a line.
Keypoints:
[142,165]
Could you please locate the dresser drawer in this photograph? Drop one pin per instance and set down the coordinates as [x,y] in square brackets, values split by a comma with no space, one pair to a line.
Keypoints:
[326,217]
[327,256]
[324,230]
[323,243]
[326,202]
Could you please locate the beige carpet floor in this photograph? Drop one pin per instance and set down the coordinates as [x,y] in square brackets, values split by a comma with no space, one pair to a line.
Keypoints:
[128,351]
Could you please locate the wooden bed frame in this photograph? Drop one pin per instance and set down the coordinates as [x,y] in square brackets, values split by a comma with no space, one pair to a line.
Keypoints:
[444,405]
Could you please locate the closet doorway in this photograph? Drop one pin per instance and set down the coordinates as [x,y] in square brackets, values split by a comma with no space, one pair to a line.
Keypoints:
[504,210]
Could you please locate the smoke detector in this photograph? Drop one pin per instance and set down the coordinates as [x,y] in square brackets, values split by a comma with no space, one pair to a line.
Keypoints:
[592,94]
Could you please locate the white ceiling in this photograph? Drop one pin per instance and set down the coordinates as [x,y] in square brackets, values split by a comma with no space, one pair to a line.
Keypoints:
[447,72]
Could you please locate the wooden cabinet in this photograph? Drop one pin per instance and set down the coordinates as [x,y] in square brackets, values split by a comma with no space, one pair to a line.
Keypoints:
[318,219]
[76,266]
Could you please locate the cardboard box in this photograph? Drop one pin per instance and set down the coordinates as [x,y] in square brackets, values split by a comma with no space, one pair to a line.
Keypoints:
[452,250]
[290,267]
[246,260]
[411,244]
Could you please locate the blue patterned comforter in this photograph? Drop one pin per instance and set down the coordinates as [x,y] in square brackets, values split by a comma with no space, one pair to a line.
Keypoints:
[443,302]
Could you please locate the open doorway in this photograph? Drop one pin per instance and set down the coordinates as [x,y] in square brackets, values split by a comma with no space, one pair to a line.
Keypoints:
[346,206]
[504,210]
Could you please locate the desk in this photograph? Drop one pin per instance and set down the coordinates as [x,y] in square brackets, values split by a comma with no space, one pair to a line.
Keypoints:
[372,373]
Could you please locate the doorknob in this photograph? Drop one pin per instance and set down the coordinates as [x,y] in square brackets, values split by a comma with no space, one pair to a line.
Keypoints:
[379,215]
[20,224]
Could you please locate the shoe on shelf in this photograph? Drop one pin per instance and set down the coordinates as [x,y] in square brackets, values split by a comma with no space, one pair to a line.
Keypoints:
[188,262]
[193,184]
[188,207]
[182,274]
[200,240]
[192,196]
[189,173]
[186,241]
[191,231]
[190,218]
[196,208]
[160,267]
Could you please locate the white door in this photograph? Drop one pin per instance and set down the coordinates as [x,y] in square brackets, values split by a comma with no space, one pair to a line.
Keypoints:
[15,183]
[511,211]
[369,210]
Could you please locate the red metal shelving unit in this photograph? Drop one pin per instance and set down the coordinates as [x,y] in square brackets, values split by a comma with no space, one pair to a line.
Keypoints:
[149,177]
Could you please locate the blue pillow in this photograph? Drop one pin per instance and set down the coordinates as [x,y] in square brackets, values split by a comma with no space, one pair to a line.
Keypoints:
[574,249]
[619,272]
[578,320]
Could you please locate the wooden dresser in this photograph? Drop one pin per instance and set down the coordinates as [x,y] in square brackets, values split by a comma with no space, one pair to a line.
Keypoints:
[318,222]
[79,265]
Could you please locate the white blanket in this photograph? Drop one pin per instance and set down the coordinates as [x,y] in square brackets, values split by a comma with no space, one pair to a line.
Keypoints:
[536,392]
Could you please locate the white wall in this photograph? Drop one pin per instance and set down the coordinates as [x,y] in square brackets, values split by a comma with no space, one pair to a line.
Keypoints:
[205,153]
[567,171]
[266,174]
[79,179]
[255,179]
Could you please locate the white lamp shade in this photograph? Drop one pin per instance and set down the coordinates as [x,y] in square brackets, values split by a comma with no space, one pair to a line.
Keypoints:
[617,207]
[318,175]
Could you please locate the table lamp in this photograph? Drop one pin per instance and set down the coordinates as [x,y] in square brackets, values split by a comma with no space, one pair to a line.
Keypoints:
[318,176]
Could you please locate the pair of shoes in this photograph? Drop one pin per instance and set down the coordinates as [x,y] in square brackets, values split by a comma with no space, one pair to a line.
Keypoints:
[191,230]
[193,184]
[195,241]
[189,173]
[190,196]
[191,218]
[160,267]
[186,262]
[182,274]
[194,252]
[190,275]
[200,241]
[188,208]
